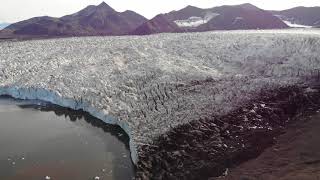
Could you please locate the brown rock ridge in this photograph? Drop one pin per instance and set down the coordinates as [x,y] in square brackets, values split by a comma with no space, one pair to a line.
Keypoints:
[91,21]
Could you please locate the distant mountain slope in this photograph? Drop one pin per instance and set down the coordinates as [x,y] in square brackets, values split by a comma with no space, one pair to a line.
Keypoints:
[193,19]
[308,16]
[244,16]
[3,25]
[185,13]
[104,20]
[93,20]
[158,24]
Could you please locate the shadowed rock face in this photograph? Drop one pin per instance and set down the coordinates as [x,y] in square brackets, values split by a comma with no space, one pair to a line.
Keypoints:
[309,16]
[159,24]
[185,13]
[93,20]
[244,16]
[150,85]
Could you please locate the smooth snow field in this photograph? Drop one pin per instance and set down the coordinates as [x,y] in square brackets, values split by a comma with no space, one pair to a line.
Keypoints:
[41,141]
[151,84]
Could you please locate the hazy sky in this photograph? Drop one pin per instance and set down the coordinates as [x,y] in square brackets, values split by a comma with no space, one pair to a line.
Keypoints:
[17,10]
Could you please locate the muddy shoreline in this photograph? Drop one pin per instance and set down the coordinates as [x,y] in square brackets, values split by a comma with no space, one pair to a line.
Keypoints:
[208,147]
[295,155]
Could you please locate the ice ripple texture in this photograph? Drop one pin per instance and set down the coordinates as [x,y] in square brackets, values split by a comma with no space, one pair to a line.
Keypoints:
[148,85]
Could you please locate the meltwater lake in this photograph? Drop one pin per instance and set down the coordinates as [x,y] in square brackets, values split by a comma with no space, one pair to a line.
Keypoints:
[43,141]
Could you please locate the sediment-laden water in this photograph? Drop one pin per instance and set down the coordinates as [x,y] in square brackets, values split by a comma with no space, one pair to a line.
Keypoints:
[43,141]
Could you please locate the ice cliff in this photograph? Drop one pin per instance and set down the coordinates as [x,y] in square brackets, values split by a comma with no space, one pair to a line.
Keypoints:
[148,85]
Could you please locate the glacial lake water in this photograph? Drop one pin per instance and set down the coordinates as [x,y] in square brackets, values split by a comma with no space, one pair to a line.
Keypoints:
[41,141]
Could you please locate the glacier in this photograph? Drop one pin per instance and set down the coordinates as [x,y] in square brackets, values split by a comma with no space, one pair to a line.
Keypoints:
[151,84]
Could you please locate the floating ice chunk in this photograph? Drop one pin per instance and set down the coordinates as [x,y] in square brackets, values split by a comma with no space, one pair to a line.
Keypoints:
[226,172]
[47,177]
[224,145]
[96,178]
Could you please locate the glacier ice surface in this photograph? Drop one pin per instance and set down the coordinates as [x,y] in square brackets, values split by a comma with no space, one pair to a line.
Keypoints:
[151,84]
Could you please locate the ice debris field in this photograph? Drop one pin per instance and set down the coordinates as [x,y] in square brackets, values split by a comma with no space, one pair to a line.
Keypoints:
[149,85]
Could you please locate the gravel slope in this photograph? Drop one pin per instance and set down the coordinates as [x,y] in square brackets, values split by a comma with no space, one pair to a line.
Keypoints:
[295,156]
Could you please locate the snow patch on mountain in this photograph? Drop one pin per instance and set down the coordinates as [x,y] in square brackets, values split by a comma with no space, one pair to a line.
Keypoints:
[293,25]
[237,19]
[291,22]
[191,22]
[195,21]
[3,25]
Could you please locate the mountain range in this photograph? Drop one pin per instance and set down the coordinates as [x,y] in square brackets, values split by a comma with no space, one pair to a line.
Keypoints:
[91,21]
[103,20]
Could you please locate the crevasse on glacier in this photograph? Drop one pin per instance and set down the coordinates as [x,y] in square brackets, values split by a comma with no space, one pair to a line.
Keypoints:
[148,85]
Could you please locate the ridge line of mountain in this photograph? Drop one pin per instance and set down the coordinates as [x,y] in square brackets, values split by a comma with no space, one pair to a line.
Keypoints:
[103,20]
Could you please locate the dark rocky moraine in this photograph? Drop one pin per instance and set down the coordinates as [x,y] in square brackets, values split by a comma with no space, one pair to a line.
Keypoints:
[210,146]
[43,141]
